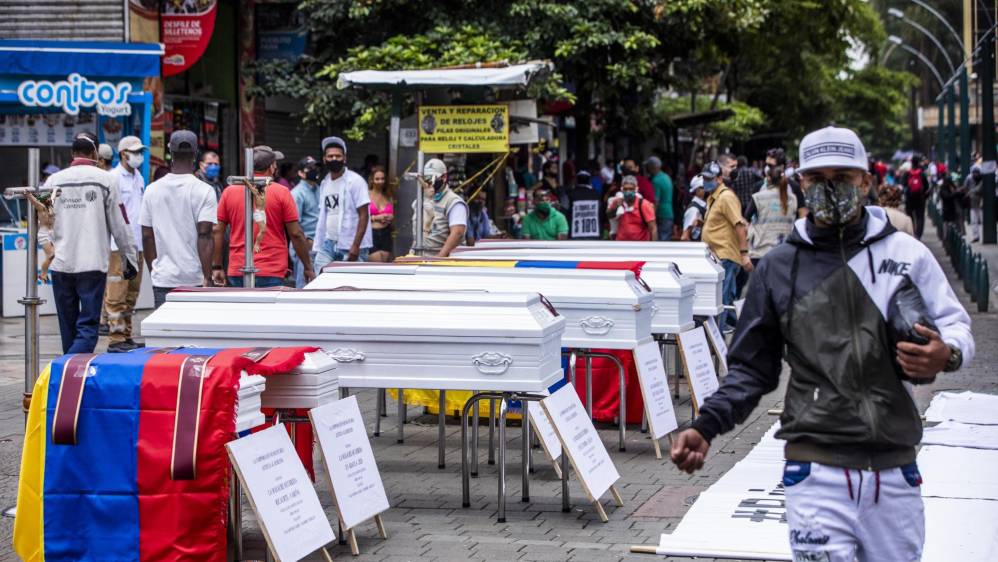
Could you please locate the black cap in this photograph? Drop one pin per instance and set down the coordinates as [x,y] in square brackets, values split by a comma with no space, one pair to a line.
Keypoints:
[307,162]
[583,178]
[183,140]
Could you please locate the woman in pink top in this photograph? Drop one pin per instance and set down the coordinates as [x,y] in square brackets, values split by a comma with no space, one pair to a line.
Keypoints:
[382,214]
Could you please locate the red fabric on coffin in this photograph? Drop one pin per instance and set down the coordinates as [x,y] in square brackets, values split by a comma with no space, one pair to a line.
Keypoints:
[606,385]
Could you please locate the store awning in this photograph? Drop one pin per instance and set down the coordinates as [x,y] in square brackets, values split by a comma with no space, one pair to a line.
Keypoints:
[87,58]
[513,76]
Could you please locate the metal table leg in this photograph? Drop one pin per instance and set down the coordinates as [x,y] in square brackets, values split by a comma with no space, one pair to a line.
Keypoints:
[502,458]
[441,428]
[401,415]
[525,452]
[236,515]
[566,501]
[589,383]
[492,431]
[474,442]
[677,361]
[622,377]
[380,412]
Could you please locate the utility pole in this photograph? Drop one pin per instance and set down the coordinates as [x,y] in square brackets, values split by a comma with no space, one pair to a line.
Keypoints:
[964,123]
[987,75]
[951,162]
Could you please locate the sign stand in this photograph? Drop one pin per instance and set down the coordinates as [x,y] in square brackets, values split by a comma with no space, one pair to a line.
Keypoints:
[281,494]
[582,446]
[698,366]
[717,343]
[346,452]
[654,383]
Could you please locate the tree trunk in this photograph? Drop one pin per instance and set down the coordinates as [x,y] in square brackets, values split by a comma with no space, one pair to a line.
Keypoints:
[583,113]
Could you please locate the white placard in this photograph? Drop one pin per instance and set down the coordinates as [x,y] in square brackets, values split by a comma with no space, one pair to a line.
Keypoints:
[408,138]
[582,443]
[544,429]
[717,341]
[357,486]
[281,493]
[699,366]
[585,219]
[655,389]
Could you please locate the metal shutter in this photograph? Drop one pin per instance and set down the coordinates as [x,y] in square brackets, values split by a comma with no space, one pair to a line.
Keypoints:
[80,20]
[285,133]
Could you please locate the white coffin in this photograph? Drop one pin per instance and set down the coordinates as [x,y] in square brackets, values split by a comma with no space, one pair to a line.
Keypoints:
[310,385]
[248,414]
[703,270]
[654,248]
[602,308]
[382,339]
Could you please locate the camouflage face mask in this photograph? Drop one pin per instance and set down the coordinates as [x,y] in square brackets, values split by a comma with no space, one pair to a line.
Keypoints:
[833,203]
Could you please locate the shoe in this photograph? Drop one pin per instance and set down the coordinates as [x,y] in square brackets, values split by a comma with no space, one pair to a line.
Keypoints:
[103,330]
[121,346]
[135,344]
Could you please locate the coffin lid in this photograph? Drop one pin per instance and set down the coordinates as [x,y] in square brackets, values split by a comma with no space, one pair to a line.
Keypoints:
[603,288]
[689,264]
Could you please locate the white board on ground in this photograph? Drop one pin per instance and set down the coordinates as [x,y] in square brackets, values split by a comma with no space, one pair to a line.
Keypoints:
[655,389]
[699,366]
[582,443]
[281,493]
[966,407]
[357,486]
[958,472]
[542,426]
[717,342]
[956,434]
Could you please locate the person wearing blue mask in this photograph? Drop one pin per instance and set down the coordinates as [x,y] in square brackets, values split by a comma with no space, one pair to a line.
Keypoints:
[210,172]
[726,233]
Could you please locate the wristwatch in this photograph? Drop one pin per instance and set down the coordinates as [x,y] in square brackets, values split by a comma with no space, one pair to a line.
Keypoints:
[955,360]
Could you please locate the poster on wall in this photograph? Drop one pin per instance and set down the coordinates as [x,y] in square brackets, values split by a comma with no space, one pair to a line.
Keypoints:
[186,27]
[281,32]
[43,129]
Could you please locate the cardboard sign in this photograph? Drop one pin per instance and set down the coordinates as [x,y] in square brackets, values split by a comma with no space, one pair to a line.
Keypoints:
[698,364]
[281,493]
[655,389]
[717,342]
[581,442]
[357,486]
[463,128]
[543,428]
[585,219]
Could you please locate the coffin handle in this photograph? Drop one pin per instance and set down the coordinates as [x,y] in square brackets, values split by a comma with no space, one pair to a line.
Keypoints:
[346,355]
[596,325]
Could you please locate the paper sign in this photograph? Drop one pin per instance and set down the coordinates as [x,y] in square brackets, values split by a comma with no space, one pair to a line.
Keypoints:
[542,426]
[655,389]
[718,343]
[281,493]
[585,219]
[699,366]
[582,443]
[357,486]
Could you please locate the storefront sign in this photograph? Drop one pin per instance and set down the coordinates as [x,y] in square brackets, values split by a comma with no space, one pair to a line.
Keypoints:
[463,128]
[185,34]
[76,92]
[655,389]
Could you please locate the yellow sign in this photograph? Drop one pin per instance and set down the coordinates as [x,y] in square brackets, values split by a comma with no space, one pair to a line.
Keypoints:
[464,128]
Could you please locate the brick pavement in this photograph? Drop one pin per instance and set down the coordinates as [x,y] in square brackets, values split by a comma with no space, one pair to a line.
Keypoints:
[426,521]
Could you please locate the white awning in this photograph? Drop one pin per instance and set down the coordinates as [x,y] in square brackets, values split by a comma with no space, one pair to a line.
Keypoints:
[508,77]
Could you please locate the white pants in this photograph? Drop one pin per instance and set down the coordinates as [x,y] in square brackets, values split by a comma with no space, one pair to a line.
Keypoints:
[841,515]
[976,214]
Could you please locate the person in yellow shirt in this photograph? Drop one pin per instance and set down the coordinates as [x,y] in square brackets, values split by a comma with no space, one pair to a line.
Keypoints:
[726,233]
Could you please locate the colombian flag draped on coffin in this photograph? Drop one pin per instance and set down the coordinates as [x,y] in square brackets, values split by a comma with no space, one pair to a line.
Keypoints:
[606,399]
[124,453]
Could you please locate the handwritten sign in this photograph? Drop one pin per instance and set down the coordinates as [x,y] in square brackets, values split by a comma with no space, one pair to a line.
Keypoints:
[542,426]
[655,389]
[357,486]
[585,219]
[281,493]
[717,342]
[699,366]
[581,442]
[464,128]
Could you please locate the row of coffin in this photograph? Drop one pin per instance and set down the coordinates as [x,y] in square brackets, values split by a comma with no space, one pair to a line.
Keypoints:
[476,321]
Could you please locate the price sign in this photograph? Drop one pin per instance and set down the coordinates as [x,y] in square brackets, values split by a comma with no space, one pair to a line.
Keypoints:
[655,389]
[357,486]
[281,493]
[699,367]
[585,219]
[717,342]
[581,442]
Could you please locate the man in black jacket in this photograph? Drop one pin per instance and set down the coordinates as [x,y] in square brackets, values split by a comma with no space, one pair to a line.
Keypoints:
[850,424]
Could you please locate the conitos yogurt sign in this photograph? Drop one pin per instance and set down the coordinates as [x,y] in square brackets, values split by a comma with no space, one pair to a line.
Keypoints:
[186,29]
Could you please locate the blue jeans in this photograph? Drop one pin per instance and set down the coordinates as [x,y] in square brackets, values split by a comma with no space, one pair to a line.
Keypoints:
[79,298]
[665,229]
[729,292]
[260,281]
[330,253]
[299,268]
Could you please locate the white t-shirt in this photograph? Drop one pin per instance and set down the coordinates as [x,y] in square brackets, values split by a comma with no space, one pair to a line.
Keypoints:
[130,188]
[339,200]
[457,216]
[172,207]
[692,213]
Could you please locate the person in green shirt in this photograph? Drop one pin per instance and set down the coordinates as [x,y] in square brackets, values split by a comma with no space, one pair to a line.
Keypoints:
[544,222]
[663,197]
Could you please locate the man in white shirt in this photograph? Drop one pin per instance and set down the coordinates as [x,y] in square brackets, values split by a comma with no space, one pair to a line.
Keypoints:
[178,214]
[343,232]
[120,294]
[695,212]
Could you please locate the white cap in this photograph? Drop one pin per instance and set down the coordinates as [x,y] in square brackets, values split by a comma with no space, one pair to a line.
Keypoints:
[832,147]
[434,167]
[130,143]
[696,183]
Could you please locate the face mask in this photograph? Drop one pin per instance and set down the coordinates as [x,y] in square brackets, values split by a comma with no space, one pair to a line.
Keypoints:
[709,186]
[629,197]
[335,166]
[544,207]
[135,160]
[312,173]
[211,171]
[833,203]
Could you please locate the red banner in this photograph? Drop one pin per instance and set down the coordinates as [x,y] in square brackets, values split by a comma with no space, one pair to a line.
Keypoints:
[186,30]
